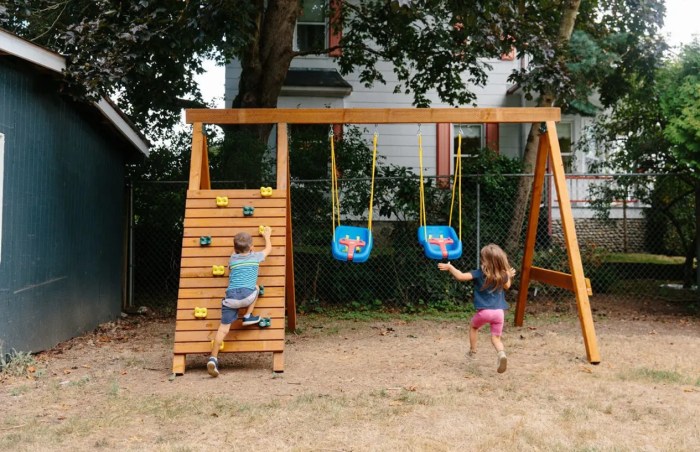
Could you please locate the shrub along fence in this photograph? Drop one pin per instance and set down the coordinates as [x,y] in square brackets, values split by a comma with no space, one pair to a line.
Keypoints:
[634,252]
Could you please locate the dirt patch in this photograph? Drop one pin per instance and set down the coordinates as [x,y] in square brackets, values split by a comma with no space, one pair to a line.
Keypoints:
[380,385]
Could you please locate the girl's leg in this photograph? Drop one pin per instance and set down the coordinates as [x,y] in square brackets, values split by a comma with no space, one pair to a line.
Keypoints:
[473,336]
[496,341]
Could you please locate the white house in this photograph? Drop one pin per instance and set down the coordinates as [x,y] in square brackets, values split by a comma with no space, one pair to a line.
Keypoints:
[314,82]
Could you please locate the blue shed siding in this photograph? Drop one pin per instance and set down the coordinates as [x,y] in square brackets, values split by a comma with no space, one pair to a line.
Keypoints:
[61,261]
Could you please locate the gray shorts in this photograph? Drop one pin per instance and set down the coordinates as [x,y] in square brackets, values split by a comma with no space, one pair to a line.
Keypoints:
[236,299]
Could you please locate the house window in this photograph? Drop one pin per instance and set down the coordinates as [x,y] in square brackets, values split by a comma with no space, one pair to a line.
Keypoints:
[472,139]
[565,135]
[311,26]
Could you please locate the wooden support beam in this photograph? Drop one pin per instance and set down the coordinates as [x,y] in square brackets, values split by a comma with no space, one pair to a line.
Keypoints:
[371,115]
[205,182]
[197,156]
[179,364]
[557,279]
[531,235]
[278,362]
[569,229]
[283,183]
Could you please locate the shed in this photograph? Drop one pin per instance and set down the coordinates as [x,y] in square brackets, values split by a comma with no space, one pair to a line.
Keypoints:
[62,202]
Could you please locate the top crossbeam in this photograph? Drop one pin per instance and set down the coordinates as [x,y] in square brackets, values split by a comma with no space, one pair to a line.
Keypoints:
[372,115]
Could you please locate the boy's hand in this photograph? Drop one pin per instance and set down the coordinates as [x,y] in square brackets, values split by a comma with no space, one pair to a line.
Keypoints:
[267,232]
[444,267]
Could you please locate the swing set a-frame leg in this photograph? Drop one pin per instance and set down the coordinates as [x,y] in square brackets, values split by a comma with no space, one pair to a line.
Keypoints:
[576,282]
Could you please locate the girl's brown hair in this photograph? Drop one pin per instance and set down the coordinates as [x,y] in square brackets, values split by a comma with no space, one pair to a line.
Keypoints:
[494,264]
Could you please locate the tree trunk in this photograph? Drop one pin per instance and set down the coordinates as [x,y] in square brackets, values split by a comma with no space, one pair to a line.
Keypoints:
[264,68]
[566,28]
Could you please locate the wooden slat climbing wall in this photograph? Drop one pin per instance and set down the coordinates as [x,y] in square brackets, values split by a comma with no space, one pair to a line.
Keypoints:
[200,288]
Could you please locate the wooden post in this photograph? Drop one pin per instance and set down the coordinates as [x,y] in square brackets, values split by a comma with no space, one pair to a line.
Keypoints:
[197,157]
[569,229]
[531,235]
[283,183]
[205,183]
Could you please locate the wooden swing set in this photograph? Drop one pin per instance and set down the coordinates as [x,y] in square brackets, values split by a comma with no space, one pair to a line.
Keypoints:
[209,228]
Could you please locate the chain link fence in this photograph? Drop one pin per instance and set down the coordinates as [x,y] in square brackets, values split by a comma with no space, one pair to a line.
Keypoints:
[636,247]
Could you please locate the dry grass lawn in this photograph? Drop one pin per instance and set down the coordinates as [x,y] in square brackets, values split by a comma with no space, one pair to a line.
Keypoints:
[391,384]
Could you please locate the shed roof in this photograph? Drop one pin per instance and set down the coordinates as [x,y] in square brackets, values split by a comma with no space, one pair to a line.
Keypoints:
[14,45]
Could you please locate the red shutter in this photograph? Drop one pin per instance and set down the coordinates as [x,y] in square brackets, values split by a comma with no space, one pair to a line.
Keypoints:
[338,132]
[335,33]
[442,165]
[492,137]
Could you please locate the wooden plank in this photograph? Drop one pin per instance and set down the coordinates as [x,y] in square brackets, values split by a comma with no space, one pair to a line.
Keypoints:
[231,346]
[228,212]
[226,242]
[196,163]
[249,195]
[230,231]
[531,234]
[289,286]
[569,229]
[222,281]
[205,178]
[270,272]
[215,303]
[558,279]
[207,262]
[209,292]
[233,203]
[225,253]
[282,157]
[217,294]
[215,314]
[205,271]
[278,362]
[372,115]
[179,364]
[213,324]
[273,222]
[251,333]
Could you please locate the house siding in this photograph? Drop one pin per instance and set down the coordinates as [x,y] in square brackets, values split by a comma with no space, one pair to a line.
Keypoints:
[398,143]
[60,267]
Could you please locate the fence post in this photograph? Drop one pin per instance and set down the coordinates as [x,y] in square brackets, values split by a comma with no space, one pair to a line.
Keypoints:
[478,223]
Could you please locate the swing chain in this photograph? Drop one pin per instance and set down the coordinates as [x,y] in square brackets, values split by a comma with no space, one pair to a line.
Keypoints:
[419,132]
[330,130]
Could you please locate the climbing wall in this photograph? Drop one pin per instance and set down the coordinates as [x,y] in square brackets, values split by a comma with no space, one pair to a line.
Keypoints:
[207,244]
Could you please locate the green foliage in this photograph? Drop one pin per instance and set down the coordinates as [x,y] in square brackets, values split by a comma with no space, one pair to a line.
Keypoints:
[386,274]
[654,129]
[17,364]
[145,52]
[680,102]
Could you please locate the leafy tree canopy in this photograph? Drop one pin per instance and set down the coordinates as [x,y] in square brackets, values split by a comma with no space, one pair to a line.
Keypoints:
[148,51]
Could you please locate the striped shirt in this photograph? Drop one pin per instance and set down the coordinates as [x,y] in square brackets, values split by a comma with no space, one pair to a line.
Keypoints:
[244,270]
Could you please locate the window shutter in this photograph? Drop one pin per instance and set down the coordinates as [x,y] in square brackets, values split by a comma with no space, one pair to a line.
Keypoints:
[442,165]
[492,137]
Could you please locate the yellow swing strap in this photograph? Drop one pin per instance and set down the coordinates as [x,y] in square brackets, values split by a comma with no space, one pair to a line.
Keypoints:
[371,192]
[334,186]
[457,184]
[422,215]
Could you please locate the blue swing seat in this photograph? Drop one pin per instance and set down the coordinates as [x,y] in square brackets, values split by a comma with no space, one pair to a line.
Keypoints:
[440,242]
[352,244]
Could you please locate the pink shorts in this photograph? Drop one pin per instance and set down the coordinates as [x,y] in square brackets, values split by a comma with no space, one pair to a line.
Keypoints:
[493,317]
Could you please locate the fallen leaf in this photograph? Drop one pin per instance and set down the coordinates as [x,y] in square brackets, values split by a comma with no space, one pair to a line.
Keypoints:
[66,371]
[31,369]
